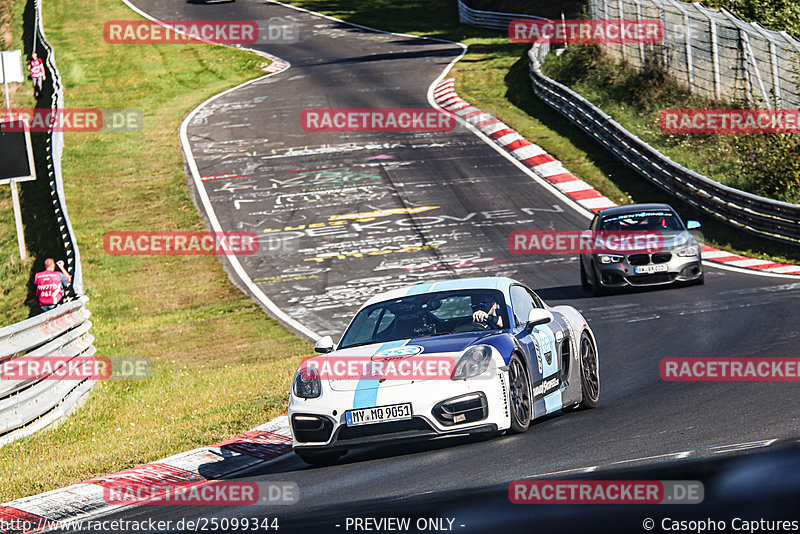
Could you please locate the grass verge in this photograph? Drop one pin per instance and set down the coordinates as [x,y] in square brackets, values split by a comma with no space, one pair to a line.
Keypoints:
[221,366]
[14,272]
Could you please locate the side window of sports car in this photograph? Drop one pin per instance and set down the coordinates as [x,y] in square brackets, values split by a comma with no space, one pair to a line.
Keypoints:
[537,302]
[522,304]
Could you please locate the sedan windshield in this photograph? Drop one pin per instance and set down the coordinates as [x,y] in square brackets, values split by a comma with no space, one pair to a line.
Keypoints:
[651,220]
[430,314]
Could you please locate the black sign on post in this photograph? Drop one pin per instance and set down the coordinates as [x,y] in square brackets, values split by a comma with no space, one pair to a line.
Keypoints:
[16,153]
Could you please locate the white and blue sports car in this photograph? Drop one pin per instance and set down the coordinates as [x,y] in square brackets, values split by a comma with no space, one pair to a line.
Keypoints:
[474,355]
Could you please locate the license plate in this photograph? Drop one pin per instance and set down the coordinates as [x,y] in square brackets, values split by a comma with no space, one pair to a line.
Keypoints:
[379,414]
[644,269]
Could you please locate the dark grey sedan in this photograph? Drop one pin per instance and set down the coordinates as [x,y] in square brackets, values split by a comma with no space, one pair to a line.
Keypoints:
[676,259]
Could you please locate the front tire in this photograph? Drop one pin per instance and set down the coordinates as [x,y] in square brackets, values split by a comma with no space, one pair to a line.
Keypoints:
[520,400]
[590,375]
[585,285]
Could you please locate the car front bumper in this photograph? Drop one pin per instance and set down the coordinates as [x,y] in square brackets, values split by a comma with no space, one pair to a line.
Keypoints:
[321,423]
[624,273]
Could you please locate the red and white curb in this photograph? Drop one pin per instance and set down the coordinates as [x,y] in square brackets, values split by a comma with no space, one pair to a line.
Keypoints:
[276,65]
[743,262]
[551,170]
[86,499]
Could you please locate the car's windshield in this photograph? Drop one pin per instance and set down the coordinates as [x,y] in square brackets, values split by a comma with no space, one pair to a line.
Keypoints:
[650,220]
[429,314]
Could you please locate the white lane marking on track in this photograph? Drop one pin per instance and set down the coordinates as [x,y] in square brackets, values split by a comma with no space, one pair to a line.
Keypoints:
[720,449]
[670,455]
[565,471]
[644,319]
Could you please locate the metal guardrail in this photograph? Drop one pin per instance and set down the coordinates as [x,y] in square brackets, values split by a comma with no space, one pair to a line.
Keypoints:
[758,215]
[755,214]
[62,332]
[55,147]
[30,404]
[488,19]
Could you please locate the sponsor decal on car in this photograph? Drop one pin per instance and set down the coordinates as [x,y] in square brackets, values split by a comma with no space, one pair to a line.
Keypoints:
[546,387]
[397,353]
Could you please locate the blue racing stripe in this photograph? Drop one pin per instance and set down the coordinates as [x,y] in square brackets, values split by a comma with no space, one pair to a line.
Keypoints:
[366,394]
[553,402]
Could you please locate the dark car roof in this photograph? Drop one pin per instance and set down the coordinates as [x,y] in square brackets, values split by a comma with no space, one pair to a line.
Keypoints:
[633,208]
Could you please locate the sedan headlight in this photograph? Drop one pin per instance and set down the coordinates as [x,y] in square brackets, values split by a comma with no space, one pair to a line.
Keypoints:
[610,258]
[473,362]
[687,252]
[307,384]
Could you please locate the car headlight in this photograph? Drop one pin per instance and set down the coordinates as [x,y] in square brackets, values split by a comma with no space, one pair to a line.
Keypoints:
[686,252]
[473,362]
[610,258]
[307,384]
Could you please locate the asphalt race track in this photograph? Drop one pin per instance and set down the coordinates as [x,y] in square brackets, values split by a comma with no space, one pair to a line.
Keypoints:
[437,205]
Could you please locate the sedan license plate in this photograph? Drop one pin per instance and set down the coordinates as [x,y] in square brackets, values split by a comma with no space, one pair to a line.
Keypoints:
[645,269]
[379,414]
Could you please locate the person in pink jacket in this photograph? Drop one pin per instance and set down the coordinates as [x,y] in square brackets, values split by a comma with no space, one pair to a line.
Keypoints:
[38,74]
[50,284]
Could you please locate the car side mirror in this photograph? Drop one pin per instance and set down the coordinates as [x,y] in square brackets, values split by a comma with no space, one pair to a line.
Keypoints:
[324,345]
[692,225]
[538,316]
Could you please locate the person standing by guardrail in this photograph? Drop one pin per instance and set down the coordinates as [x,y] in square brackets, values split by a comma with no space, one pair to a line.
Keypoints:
[38,74]
[50,285]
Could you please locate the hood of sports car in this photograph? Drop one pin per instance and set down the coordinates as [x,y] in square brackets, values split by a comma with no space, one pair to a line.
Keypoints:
[449,346]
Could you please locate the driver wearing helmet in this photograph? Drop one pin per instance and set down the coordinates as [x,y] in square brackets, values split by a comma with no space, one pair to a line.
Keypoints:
[486,311]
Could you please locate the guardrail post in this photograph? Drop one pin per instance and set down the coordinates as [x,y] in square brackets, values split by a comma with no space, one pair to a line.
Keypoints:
[622,17]
[662,14]
[712,28]
[773,63]
[641,43]
[687,43]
